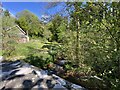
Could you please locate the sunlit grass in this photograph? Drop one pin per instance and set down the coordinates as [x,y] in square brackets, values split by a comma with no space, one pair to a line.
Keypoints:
[25,49]
[0,52]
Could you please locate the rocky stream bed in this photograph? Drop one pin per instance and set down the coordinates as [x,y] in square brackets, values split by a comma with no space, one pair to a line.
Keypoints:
[23,76]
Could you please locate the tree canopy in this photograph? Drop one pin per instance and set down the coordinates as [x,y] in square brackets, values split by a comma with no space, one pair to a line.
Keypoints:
[29,23]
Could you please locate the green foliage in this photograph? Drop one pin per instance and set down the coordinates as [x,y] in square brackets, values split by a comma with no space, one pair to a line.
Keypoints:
[9,40]
[7,22]
[53,49]
[47,33]
[40,61]
[93,39]
[89,38]
[30,23]
[57,27]
[6,13]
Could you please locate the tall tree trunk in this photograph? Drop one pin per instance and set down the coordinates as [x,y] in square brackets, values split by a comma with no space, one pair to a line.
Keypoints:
[77,9]
[77,41]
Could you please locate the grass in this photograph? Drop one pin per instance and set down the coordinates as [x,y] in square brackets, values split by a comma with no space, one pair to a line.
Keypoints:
[0,52]
[23,50]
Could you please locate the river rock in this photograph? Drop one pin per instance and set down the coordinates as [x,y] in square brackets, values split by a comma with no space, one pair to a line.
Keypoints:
[1,58]
[23,76]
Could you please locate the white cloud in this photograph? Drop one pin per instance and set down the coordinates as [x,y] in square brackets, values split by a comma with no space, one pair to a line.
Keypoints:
[45,16]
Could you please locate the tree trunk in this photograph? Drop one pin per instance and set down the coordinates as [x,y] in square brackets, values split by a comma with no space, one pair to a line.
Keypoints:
[77,41]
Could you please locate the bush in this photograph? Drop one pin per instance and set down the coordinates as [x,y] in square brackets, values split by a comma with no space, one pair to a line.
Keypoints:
[40,61]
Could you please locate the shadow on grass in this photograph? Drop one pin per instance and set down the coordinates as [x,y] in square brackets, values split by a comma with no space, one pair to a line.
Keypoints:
[34,50]
[38,61]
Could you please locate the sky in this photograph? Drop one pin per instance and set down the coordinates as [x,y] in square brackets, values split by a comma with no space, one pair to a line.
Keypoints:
[38,8]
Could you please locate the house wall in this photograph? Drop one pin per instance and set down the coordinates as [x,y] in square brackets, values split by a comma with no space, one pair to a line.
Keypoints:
[23,40]
[17,33]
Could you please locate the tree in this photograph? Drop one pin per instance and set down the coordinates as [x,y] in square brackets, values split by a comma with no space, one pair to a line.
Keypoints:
[6,13]
[30,23]
[101,48]
[75,13]
[8,41]
[57,28]
[97,42]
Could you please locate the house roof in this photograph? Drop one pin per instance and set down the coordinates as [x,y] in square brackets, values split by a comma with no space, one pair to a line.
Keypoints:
[18,28]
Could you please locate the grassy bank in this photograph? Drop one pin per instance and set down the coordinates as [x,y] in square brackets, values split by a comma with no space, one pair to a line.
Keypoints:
[23,50]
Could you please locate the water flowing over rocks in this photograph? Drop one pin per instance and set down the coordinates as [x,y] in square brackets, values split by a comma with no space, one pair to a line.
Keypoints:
[21,75]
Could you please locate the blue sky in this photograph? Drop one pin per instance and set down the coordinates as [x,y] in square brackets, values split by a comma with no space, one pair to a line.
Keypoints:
[38,8]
